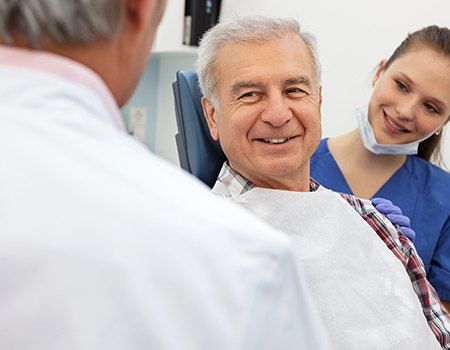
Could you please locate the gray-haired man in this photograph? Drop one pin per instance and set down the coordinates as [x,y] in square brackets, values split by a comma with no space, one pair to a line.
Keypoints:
[102,245]
[262,97]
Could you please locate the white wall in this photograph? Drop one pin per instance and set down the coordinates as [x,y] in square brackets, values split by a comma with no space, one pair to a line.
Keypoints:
[170,31]
[353,36]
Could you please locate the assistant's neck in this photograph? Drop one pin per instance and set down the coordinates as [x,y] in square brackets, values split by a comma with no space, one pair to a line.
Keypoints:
[350,145]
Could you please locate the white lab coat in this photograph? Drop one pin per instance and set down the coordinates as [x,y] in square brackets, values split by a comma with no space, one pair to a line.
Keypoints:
[105,246]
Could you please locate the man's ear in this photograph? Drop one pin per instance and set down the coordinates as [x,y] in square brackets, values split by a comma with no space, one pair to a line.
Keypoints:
[379,71]
[139,13]
[210,113]
[320,96]
[320,104]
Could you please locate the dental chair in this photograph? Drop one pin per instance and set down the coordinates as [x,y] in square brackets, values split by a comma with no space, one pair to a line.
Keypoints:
[199,154]
[203,157]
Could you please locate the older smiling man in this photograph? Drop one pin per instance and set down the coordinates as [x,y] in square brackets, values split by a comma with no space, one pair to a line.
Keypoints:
[262,97]
[102,245]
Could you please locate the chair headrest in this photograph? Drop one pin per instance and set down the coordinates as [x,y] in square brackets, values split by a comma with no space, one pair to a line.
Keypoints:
[198,152]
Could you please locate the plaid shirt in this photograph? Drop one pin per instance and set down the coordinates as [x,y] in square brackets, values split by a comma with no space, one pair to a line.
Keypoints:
[436,315]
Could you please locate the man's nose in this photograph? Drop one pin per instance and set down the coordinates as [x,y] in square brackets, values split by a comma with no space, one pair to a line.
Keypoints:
[277,112]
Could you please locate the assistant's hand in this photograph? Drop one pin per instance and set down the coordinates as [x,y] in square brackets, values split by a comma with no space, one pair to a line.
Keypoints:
[395,215]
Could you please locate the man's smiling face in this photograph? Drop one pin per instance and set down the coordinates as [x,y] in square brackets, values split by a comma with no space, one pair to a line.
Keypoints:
[268,117]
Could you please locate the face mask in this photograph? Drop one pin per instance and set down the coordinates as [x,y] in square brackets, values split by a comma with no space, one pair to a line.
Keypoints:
[370,142]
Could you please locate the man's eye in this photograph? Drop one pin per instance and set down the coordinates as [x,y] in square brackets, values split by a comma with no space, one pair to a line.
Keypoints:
[296,92]
[249,96]
[429,107]
[401,86]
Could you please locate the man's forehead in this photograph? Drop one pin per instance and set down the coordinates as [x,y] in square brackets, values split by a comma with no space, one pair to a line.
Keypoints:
[276,60]
[271,79]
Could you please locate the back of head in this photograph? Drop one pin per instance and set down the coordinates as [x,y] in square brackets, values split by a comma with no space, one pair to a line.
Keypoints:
[437,39]
[63,22]
[245,29]
[111,37]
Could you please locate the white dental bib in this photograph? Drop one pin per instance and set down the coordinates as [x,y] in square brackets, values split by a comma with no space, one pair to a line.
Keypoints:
[361,289]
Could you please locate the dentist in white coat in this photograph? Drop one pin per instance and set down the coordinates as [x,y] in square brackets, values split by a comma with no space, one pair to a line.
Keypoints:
[102,245]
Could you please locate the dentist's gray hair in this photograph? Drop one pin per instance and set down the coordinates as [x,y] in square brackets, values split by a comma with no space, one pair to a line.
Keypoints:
[62,21]
[245,29]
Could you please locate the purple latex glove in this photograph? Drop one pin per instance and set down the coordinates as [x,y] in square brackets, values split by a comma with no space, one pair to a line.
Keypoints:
[395,215]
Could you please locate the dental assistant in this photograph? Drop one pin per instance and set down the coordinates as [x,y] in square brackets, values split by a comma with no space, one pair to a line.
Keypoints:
[399,132]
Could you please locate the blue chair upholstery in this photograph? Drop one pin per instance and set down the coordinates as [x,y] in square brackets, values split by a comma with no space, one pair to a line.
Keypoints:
[198,152]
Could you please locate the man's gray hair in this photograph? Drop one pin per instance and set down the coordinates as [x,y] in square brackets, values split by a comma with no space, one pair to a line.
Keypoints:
[245,29]
[62,21]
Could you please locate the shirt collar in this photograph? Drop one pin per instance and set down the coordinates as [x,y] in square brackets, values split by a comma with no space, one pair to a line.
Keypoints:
[64,68]
[238,184]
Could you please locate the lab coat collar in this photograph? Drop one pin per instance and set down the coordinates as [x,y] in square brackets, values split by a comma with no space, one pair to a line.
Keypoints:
[64,68]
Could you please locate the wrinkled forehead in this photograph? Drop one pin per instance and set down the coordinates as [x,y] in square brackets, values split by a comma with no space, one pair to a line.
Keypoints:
[274,61]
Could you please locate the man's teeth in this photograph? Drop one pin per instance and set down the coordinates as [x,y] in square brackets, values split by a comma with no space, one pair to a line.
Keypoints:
[394,125]
[282,140]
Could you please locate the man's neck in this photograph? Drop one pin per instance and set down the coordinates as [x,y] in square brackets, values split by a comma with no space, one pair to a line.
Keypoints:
[62,67]
[299,182]
[92,56]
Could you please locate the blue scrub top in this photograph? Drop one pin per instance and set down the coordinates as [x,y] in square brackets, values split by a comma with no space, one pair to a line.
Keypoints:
[422,191]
